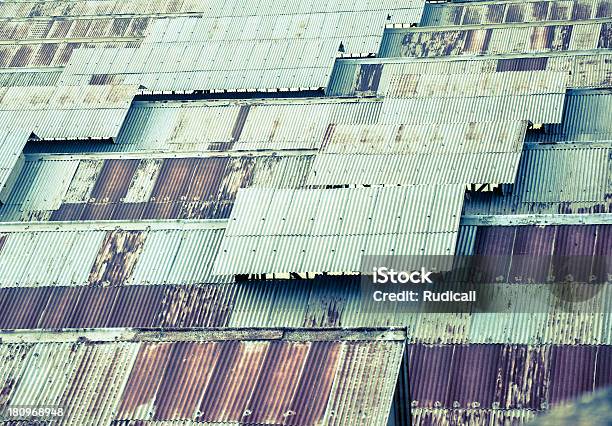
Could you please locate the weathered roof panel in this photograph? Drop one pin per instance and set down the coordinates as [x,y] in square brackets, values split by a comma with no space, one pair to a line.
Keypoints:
[310,238]
[514,11]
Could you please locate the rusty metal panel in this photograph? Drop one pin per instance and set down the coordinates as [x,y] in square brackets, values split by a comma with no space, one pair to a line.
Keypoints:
[522,64]
[174,179]
[138,399]
[190,368]
[96,385]
[117,257]
[271,398]
[231,386]
[59,307]
[605,36]
[93,308]
[197,306]
[113,181]
[368,78]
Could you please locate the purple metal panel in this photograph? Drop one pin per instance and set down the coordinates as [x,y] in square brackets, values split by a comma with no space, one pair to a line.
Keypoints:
[572,372]
[473,377]
[522,64]
[93,308]
[60,307]
[137,306]
[533,247]
[603,372]
[605,36]
[429,372]
[68,211]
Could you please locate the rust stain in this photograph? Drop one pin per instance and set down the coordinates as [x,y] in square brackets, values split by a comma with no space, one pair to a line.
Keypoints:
[404,85]
[477,41]
[144,380]
[231,386]
[174,179]
[45,55]
[113,181]
[312,394]
[60,306]
[117,257]
[495,13]
[522,64]
[581,11]
[559,11]
[119,27]
[604,9]
[186,378]
[515,13]
[540,10]
[207,177]
[197,306]
[329,133]
[5,392]
[542,37]
[277,382]
[605,36]
[21,58]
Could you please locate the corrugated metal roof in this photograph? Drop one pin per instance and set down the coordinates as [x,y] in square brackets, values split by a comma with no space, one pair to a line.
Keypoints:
[540,108]
[42,256]
[468,153]
[495,12]
[585,118]
[159,186]
[494,39]
[66,112]
[29,9]
[500,376]
[11,160]
[444,416]
[553,179]
[367,77]
[289,231]
[517,95]
[267,382]
[270,51]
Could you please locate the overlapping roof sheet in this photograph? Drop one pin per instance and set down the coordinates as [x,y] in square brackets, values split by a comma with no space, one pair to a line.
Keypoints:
[316,230]
[66,112]
[219,379]
[69,255]
[269,51]
[514,11]
[497,39]
[369,77]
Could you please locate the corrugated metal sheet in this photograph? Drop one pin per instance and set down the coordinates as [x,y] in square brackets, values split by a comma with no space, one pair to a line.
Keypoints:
[302,45]
[492,12]
[66,112]
[288,231]
[11,159]
[144,187]
[29,9]
[539,108]
[236,380]
[582,69]
[492,39]
[85,379]
[585,118]
[553,179]
[62,256]
[446,416]
[499,376]
[467,153]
